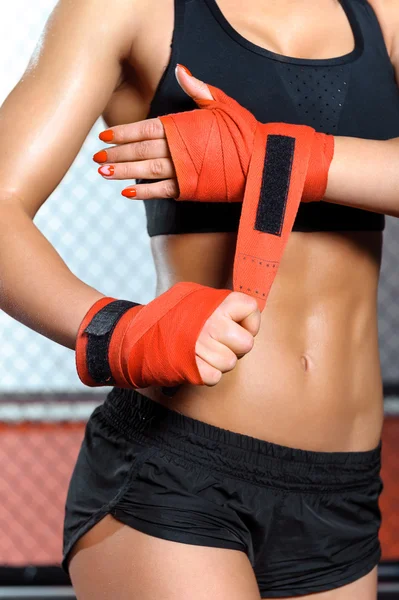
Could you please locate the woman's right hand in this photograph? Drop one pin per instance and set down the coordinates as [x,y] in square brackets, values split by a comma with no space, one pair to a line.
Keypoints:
[227,335]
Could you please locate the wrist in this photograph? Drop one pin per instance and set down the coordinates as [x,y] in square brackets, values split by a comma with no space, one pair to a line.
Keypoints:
[322,153]
[94,338]
[116,354]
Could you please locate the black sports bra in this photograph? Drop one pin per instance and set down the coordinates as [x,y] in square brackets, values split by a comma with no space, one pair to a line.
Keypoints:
[353,95]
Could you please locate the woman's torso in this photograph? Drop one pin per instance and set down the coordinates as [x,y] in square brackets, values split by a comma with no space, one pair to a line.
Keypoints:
[313,377]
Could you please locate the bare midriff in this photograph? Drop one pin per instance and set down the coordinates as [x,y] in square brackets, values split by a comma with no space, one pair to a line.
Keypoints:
[312,380]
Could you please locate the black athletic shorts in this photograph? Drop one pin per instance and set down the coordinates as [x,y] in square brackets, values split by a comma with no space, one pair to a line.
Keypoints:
[308,521]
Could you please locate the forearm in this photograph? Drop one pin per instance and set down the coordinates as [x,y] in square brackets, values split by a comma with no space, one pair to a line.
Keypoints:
[36,287]
[365,174]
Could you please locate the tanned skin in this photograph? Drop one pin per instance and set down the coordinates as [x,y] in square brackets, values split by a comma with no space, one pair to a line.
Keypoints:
[311,377]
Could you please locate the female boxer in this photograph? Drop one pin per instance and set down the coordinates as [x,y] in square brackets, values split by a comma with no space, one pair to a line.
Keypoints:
[269,480]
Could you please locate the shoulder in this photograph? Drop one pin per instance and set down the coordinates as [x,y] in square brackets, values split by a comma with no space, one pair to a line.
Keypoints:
[123,13]
[387,12]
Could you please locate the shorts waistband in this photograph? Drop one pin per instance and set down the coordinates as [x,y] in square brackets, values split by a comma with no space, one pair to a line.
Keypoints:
[148,422]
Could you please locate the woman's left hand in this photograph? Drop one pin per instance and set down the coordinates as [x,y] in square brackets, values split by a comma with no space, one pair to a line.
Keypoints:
[142,152]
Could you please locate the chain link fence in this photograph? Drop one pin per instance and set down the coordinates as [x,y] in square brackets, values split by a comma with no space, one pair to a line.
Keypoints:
[102,238]
[388,307]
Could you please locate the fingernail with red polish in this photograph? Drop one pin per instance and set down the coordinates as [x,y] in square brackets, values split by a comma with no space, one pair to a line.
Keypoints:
[101,156]
[107,135]
[185,69]
[106,170]
[129,193]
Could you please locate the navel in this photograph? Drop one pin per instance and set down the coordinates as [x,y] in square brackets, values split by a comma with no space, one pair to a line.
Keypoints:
[304,363]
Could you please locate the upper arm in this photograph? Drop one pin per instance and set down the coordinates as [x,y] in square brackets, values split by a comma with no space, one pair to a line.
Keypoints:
[395,40]
[67,84]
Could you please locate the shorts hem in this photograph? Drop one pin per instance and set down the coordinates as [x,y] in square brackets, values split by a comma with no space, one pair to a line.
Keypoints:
[87,525]
[105,509]
[169,533]
[332,585]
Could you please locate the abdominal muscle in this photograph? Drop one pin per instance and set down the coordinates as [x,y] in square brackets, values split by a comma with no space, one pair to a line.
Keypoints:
[312,380]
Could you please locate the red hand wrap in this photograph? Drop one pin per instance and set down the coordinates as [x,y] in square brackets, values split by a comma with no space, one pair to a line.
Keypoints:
[154,344]
[319,164]
[222,154]
[212,149]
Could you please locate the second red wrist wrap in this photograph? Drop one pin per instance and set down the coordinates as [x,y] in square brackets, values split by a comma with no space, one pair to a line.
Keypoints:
[153,344]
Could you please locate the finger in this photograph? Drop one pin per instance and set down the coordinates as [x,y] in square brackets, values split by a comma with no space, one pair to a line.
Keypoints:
[252,323]
[215,354]
[194,87]
[148,129]
[231,335]
[157,168]
[210,376]
[135,151]
[167,188]
[238,306]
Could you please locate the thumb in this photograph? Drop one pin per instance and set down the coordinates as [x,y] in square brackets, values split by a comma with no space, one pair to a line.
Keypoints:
[252,322]
[198,90]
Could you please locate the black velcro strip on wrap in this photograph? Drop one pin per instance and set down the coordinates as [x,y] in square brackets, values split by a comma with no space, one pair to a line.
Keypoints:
[100,331]
[275,184]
